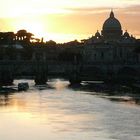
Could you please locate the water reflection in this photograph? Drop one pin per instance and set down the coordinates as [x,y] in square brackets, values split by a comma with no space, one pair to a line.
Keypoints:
[4,99]
[60,112]
[117,93]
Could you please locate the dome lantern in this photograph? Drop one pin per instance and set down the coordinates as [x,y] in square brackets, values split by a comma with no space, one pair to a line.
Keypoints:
[111,14]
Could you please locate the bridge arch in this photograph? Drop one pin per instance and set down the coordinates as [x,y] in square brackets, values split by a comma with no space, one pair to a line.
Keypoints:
[92,73]
[128,73]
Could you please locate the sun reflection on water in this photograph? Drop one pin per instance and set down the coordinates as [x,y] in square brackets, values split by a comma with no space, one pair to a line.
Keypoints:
[61,112]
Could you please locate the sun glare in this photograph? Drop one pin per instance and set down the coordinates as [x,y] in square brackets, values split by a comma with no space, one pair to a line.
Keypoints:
[35,27]
[64,20]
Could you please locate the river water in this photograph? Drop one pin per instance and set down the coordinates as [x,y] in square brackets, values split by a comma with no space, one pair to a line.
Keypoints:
[63,113]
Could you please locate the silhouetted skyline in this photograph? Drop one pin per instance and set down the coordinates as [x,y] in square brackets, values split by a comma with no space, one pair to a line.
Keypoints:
[67,20]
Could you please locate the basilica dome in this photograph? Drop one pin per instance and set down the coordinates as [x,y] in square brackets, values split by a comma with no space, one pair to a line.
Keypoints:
[112,28]
[112,23]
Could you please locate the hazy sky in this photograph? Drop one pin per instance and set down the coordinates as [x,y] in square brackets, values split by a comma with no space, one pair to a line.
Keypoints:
[65,20]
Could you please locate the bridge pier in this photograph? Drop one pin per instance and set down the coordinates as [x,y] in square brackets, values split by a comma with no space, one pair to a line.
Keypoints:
[74,80]
[40,79]
[41,76]
[6,77]
[74,77]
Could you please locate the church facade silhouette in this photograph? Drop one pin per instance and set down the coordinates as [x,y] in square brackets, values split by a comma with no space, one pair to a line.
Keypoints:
[112,45]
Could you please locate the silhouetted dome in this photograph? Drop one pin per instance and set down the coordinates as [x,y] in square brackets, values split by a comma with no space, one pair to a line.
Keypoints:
[112,23]
[126,34]
[97,34]
[112,29]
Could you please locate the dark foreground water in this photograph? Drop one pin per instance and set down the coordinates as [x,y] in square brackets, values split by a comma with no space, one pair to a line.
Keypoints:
[62,113]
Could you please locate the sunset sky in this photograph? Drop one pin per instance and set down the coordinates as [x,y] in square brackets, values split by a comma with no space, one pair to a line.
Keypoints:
[66,20]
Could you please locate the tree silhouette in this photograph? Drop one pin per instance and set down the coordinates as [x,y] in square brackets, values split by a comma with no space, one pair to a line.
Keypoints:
[7,37]
[23,35]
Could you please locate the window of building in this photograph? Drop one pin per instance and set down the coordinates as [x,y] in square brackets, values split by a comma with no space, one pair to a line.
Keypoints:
[120,53]
[102,55]
[95,56]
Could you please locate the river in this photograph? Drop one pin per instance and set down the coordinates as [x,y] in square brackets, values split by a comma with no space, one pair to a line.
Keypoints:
[60,112]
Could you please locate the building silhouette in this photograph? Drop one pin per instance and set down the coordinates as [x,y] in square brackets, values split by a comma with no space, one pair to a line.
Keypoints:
[112,45]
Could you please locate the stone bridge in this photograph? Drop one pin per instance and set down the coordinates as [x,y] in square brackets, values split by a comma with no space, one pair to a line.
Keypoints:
[115,72]
[10,70]
[40,71]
